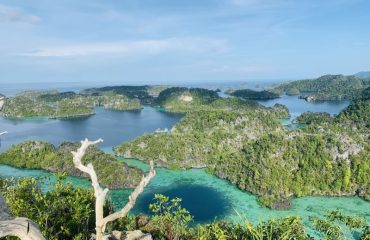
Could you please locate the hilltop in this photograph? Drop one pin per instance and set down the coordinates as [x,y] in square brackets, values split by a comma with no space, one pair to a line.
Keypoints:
[363,74]
[327,87]
[252,150]
[253,95]
[54,104]
[43,155]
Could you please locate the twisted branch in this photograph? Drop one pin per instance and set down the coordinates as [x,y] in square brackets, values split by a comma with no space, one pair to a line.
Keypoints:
[22,228]
[100,194]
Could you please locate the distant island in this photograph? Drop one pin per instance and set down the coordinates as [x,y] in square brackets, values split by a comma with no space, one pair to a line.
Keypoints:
[327,87]
[54,104]
[182,100]
[146,94]
[363,74]
[253,95]
[234,138]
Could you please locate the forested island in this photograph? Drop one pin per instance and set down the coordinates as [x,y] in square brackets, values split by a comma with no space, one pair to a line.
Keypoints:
[327,87]
[146,94]
[248,147]
[54,104]
[42,155]
[253,95]
[183,100]
[234,138]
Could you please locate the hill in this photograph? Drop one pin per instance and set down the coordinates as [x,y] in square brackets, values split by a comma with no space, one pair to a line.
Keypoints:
[53,104]
[42,155]
[254,95]
[249,148]
[327,87]
[363,74]
[146,94]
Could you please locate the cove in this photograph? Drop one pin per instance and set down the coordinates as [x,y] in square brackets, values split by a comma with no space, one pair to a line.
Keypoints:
[298,106]
[114,127]
[208,197]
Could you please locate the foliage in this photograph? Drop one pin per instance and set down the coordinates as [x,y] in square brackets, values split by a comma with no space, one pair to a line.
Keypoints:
[327,87]
[53,104]
[146,94]
[255,153]
[42,155]
[352,222]
[254,95]
[329,226]
[181,99]
[313,117]
[64,212]
[169,219]
[331,231]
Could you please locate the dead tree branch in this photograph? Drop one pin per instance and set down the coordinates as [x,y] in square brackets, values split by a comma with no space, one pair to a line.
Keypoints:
[100,193]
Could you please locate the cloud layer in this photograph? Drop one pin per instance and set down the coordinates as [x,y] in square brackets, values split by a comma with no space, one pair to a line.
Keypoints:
[10,14]
[132,48]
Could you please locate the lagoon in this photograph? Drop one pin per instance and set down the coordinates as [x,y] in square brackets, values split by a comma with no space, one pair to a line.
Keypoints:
[205,196]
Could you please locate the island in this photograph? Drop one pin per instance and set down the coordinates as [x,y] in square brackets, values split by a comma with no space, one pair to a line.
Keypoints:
[54,104]
[253,151]
[145,94]
[327,87]
[43,155]
[253,95]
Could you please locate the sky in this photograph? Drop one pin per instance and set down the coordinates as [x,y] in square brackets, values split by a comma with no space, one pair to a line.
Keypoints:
[179,41]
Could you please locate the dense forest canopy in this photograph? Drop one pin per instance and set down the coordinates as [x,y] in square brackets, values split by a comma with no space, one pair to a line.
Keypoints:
[327,87]
[256,153]
[42,155]
[146,94]
[254,95]
[53,104]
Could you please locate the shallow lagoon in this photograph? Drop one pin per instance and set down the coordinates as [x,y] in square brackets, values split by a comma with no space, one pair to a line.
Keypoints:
[208,197]
[204,195]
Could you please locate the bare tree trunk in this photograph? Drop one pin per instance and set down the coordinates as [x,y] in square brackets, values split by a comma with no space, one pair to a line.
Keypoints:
[22,228]
[100,193]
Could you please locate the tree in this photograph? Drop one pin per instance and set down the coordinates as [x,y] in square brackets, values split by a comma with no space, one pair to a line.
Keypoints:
[100,193]
[22,228]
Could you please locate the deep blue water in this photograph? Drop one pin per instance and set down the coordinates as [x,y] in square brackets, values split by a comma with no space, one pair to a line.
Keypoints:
[298,106]
[205,196]
[113,127]
[203,202]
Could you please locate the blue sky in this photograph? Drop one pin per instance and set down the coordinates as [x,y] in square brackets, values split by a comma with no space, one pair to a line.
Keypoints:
[178,41]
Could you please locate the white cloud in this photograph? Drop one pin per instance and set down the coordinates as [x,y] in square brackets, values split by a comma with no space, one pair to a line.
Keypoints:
[10,14]
[132,48]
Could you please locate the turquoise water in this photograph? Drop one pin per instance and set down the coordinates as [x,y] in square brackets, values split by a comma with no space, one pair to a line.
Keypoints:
[204,195]
[298,106]
[208,197]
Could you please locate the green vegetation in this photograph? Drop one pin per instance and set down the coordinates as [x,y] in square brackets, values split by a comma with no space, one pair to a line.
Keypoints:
[178,99]
[53,104]
[197,99]
[65,212]
[327,87]
[146,94]
[254,152]
[42,155]
[363,74]
[313,117]
[254,95]
[279,111]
